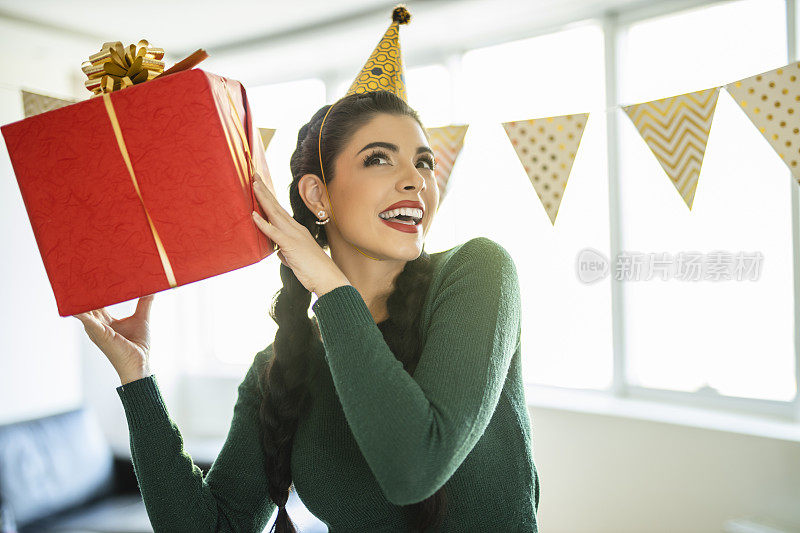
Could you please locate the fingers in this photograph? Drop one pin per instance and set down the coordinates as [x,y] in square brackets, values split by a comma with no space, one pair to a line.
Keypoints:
[108,319]
[143,306]
[270,230]
[91,324]
[267,200]
[283,259]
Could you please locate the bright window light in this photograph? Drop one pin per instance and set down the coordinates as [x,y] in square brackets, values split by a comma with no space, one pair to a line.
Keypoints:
[735,337]
[566,330]
[239,321]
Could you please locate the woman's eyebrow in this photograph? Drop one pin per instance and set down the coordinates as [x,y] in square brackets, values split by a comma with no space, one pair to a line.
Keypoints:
[393,147]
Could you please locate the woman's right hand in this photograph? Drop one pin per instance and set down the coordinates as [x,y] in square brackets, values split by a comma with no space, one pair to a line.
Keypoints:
[125,342]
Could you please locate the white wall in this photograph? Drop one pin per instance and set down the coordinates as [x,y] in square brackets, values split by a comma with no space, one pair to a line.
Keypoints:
[608,474]
[598,473]
[40,363]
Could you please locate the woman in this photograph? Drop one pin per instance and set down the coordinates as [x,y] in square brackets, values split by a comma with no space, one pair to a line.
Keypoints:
[401,406]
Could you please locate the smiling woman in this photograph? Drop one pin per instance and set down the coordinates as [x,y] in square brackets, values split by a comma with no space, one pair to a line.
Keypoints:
[377,156]
[401,405]
[376,164]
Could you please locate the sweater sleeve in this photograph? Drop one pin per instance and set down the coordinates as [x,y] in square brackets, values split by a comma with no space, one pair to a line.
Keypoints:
[414,432]
[231,497]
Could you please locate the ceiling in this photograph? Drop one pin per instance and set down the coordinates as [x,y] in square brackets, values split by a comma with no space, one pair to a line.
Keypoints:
[332,35]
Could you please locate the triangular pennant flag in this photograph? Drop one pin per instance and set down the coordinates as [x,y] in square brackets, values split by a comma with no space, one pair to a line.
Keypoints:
[676,130]
[546,147]
[383,71]
[771,100]
[446,143]
[266,136]
[35,103]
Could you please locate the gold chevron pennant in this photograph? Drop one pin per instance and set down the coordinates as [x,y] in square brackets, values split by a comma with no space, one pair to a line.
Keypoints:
[676,130]
[546,147]
[446,143]
[771,100]
[35,103]
[266,136]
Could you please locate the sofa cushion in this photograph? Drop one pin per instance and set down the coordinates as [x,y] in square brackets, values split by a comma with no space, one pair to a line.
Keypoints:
[117,514]
[50,464]
[7,522]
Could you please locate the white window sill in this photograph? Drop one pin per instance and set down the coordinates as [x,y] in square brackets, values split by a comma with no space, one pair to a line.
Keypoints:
[601,403]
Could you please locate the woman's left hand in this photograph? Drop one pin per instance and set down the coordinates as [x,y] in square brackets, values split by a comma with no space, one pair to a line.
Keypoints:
[297,248]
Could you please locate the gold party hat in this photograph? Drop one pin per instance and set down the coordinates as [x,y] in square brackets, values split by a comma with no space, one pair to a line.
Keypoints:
[384,68]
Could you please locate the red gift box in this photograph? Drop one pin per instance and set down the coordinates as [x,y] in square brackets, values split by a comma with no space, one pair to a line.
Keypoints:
[143,189]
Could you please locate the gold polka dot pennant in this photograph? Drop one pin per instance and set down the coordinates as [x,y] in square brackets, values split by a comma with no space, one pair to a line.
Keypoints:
[384,68]
[546,147]
[266,136]
[771,100]
[676,130]
[446,143]
[35,103]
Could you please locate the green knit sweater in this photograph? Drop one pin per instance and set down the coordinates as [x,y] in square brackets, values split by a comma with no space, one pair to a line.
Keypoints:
[375,439]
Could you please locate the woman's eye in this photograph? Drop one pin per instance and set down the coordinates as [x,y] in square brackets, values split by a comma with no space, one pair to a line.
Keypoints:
[428,160]
[376,158]
[373,158]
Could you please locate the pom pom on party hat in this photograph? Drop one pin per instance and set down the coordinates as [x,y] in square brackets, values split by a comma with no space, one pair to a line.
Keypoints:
[384,68]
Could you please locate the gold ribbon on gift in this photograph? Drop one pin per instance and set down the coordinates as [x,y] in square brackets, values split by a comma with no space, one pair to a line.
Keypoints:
[112,115]
[116,67]
[241,156]
[238,157]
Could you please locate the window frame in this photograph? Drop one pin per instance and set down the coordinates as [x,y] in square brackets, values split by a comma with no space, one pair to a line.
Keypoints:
[614,25]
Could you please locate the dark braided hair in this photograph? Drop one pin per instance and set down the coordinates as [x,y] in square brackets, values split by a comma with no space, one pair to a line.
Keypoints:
[291,370]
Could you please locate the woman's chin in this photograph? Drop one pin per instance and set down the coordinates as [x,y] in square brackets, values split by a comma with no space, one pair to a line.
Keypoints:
[400,251]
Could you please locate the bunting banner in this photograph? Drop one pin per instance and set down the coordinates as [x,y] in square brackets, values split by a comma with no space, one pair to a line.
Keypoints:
[34,103]
[676,130]
[266,136]
[546,147]
[771,100]
[446,143]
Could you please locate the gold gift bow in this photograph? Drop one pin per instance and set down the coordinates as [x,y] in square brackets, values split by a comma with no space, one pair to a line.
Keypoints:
[115,67]
[162,253]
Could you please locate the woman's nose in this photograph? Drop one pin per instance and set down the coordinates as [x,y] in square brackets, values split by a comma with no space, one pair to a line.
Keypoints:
[415,178]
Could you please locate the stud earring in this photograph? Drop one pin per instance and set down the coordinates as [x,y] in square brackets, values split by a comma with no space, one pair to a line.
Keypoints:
[322,214]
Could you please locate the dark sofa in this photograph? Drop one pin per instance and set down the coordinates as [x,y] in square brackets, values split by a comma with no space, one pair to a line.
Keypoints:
[58,473]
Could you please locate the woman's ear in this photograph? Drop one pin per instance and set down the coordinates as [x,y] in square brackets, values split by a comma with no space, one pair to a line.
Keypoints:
[312,191]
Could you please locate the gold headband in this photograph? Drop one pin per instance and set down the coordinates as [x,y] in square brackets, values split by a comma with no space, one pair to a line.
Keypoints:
[319,149]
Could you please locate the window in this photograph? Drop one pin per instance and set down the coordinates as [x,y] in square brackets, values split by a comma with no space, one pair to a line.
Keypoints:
[733,336]
[235,306]
[566,330]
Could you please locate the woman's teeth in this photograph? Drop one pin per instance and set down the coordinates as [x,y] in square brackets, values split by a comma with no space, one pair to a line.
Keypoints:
[406,215]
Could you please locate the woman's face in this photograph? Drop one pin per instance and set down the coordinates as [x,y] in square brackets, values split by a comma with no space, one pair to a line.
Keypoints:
[387,160]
